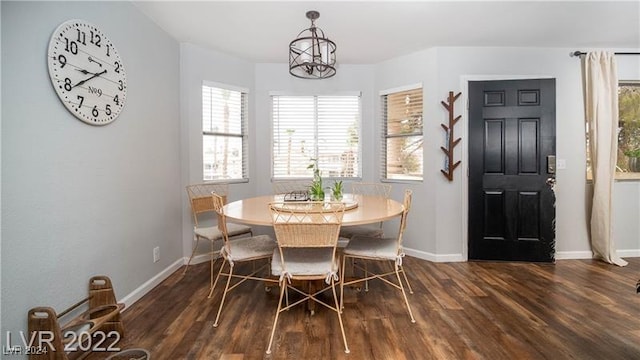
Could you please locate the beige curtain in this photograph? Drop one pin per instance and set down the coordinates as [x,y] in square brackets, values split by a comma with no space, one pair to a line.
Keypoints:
[601,110]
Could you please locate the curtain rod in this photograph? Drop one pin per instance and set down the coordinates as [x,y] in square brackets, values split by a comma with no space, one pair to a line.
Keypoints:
[580,53]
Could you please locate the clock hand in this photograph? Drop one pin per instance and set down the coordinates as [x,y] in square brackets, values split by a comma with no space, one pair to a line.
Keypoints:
[94,75]
[85,72]
[95,61]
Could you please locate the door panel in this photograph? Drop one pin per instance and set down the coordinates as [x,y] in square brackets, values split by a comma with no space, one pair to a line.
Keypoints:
[528,143]
[494,224]
[494,147]
[511,133]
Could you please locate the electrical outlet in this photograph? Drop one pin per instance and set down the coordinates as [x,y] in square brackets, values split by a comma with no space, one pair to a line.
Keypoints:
[156,254]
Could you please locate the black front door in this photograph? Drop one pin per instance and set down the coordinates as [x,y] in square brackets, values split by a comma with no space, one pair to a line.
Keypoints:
[512,145]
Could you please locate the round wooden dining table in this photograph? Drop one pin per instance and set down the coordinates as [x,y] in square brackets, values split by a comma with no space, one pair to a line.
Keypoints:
[369,209]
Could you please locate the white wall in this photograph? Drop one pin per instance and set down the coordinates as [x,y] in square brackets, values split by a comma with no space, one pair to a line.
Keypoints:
[452,68]
[198,64]
[79,200]
[419,67]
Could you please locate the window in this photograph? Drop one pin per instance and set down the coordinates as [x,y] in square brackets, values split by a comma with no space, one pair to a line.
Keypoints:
[326,128]
[224,141]
[628,165]
[402,134]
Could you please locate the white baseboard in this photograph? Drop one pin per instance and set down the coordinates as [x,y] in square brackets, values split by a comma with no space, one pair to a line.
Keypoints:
[629,253]
[569,255]
[143,289]
[576,255]
[560,255]
[434,257]
[198,259]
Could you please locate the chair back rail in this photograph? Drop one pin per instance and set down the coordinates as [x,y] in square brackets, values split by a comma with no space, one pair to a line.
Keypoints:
[307,235]
[406,206]
[217,203]
[372,189]
[200,198]
[369,189]
[313,224]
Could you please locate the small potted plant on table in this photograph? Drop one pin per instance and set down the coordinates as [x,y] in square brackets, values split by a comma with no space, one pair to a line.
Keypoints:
[337,190]
[316,191]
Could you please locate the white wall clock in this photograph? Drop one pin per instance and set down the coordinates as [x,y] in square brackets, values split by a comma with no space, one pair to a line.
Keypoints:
[87,73]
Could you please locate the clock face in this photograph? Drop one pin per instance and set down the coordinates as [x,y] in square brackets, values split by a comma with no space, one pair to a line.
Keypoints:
[87,73]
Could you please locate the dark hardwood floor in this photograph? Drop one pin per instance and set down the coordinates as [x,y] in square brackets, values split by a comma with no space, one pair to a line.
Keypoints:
[573,309]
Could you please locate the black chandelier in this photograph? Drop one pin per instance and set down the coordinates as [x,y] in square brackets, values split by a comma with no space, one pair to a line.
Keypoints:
[311,54]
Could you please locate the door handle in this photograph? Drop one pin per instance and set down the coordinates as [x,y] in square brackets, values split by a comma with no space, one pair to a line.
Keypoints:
[551,182]
[551,164]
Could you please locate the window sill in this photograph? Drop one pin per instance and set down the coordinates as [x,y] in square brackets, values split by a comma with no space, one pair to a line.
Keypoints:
[629,176]
[226,181]
[620,177]
[401,181]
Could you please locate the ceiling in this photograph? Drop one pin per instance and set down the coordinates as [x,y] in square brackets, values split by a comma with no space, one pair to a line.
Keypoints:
[368,32]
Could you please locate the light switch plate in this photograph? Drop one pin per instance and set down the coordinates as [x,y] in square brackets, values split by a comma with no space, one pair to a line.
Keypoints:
[561,164]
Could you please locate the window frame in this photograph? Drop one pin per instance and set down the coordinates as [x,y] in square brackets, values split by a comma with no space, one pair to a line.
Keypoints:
[627,176]
[618,176]
[384,136]
[244,103]
[273,94]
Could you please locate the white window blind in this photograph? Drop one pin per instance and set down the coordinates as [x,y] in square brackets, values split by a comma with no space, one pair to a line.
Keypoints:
[326,128]
[224,141]
[402,155]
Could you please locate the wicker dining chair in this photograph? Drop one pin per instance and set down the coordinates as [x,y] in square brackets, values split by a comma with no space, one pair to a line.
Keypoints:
[233,252]
[307,235]
[385,250]
[201,206]
[370,189]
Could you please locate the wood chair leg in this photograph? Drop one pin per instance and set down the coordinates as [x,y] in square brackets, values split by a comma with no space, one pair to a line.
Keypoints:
[224,294]
[311,305]
[286,295]
[193,252]
[366,275]
[344,261]
[404,295]
[338,310]
[213,258]
[283,287]
[217,277]
[404,273]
